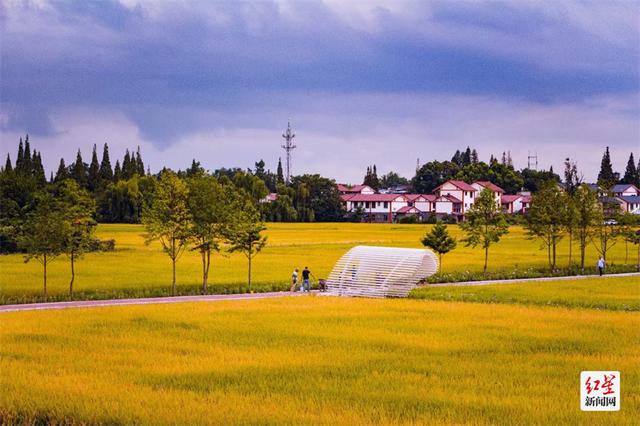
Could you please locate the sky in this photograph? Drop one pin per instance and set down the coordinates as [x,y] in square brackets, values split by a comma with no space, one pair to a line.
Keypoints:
[373,82]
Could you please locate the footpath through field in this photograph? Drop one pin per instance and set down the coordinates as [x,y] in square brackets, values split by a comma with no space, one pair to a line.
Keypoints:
[252,296]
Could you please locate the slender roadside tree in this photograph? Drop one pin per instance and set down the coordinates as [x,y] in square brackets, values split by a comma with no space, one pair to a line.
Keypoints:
[439,240]
[484,224]
[78,208]
[168,220]
[627,232]
[211,207]
[608,230]
[569,221]
[245,234]
[43,234]
[546,219]
[588,216]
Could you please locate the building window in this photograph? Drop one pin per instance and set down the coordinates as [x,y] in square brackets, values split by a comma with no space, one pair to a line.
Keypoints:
[386,204]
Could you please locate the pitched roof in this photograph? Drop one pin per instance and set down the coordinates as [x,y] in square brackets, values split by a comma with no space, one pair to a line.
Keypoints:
[449,198]
[623,187]
[373,197]
[489,185]
[414,197]
[352,189]
[459,184]
[507,199]
[633,199]
[408,209]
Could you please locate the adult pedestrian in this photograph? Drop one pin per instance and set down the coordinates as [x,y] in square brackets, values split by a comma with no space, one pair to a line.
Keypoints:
[601,264]
[294,280]
[306,284]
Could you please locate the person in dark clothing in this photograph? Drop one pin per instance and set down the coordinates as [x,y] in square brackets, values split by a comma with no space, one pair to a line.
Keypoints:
[306,284]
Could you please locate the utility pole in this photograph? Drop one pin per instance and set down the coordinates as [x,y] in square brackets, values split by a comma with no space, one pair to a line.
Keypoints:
[288,146]
[532,157]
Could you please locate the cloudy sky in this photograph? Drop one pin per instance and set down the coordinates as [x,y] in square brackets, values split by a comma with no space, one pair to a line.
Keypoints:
[362,82]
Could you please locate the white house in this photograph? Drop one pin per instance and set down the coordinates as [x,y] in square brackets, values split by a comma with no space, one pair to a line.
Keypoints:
[375,207]
[625,190]
[630,203]
[497,191]
[515,203]
[462,192]
[356,189]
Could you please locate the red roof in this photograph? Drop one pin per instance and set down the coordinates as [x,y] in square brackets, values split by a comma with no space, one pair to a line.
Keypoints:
[408,209]
[508,199]
[490,186]
[459,184]
[414,197]
[352,189]
[449,198]
[373,197]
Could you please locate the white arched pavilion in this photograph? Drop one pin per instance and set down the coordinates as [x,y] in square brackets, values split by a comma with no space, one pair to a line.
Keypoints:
[368,271]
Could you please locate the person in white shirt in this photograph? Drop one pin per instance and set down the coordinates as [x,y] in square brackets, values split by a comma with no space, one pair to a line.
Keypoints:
[601,264]
[294,280]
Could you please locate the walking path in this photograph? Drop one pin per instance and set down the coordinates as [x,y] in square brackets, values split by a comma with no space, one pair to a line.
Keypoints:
[525,280]
[252,296]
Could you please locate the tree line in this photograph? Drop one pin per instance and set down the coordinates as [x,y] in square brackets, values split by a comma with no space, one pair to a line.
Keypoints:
[465,165]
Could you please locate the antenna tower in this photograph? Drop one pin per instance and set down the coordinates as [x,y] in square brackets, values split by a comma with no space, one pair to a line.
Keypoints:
[288,146]
[532,157]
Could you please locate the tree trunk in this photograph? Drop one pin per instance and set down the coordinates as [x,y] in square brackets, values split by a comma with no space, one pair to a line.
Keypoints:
[44,263]
[549,253]
[203,255]
[626,252]
[486,259]
[553,266]
[440,256]
[582,250]
[73,275]
[249,281]
[570,246]
[173,283]
[206,272]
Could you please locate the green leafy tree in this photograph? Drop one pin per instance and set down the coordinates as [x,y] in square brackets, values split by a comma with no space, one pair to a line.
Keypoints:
[93,173]
[588,216]
[569,222]
[211,207]
[432,174]
[244,235]
[484,224]
[139,164]
[392,179]
[371,178]
[168,220]
[117,172]
[439,240]
[608,230]
[546,219]
[78,208]
[43,233]
[7,165]
[317,199]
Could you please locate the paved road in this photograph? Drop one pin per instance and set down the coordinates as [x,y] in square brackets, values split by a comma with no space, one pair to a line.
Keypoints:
[222,297]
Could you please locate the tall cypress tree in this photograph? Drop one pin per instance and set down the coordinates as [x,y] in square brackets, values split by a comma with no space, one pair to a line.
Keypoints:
[20,158]
[279,173]
[79,171]
[139,163]
[631,173]
[7,165]
[606,177]
[117,172]
[466,157]
[93,181]
[62,173]
[27,166]
[127,166]
[38,168]
[106,172]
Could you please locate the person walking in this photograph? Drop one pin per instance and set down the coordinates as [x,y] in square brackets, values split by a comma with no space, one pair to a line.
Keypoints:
[601,264]
[294,280]
[306,284]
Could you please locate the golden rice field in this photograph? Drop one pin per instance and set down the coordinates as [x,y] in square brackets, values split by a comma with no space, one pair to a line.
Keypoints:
[134,267]
[615,293]
[315,360]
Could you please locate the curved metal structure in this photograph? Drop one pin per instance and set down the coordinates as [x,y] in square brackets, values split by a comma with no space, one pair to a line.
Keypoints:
[367,271]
